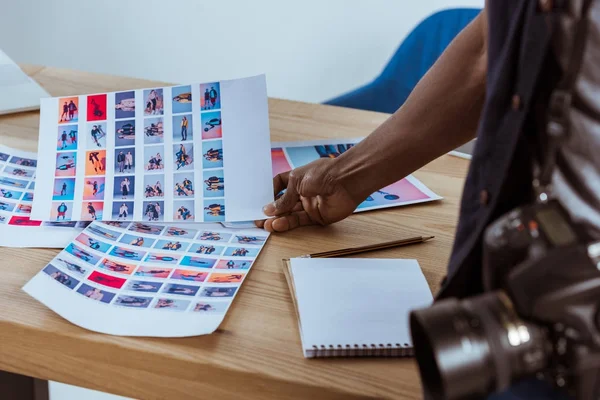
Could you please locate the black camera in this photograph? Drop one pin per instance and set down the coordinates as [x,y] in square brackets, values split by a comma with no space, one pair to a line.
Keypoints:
[539,316]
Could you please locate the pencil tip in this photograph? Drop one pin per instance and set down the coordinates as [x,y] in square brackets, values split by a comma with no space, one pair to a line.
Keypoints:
[428,238]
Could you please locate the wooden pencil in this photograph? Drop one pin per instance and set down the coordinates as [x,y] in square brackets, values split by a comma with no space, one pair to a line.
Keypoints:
[371,247]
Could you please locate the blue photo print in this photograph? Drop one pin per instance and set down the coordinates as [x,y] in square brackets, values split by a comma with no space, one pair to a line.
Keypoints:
[198,262]
[6,206]
[82,254]
[218,291]
[70,266]
[67,137]
[95,294]
[4,156]
[210,96]
[172,304]
[102,231]
[181,232]
[133,301]
[183,129]
[125,105]
[242,251]
[24,162]
[128,254]
[61,277]
[214,210]
[204,248]
[162,258]
[146,228]
[212,154]
[214,183]
[10,194]
[125,133]
[18,183]
[139,241]
[20,172]
[249,239]
[182,99]
[171,245]
[184,290]
[213,236]
[28,196]
[93,243]
[143,286]
[64,189]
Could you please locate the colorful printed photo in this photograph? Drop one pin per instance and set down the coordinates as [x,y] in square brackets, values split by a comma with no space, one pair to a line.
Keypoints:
[82,254]
[103,232]
[65,164]
[93,243]
[94,189]
[124,105]
[300,156]
[245,239]
[96,107]
[4,156]
[226,278]
[92,210]
[23,221]
[107,280]
[153,159]
[115,224]
[60,276]
[188,275]
[133,301]
[212,154]
[125,160]
[7,206]
[280,163]
[18,183]
[60,211]
[183,156]
[124,188]
[95,294]
[96,135]
[154,130]
[125,133]
[234,264]
[212,307]
[139,241]
[61,224]
[198,262]
[211,125]
[172,245]
[95,162]
[183,210]
[153,102]
[162,258]
[143,286]
[202,248]
[210,96]
[70,266]
[184,186]
[68,109]
[20,172]
[214,183]
[179,232]
[153,186]
[399,192]
[214,236]
[184,290]
[6,193]
[31,186]
[218,291]
[28,196]
[214,210]
[183,129]
[67,137]
[182,99]
[23,162]
[153,210]
[4,218]
[23,208]
[117,267]
[124,252]
[172,304]
[154,272]
[242,251]
[146,228]
[122,210]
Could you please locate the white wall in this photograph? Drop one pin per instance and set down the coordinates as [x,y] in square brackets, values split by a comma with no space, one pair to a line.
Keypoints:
[311,50]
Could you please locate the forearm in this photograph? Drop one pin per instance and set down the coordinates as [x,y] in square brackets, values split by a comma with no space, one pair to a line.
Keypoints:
[441,113]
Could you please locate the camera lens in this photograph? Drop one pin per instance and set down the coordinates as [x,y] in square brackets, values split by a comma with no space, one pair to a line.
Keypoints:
[474,347]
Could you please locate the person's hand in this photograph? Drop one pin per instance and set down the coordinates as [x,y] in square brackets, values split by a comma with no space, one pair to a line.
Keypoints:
[313,195]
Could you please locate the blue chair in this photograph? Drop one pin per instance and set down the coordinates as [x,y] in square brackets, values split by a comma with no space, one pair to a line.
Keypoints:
[411,61]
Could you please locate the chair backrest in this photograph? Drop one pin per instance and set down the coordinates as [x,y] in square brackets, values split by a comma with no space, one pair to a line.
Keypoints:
[410,62]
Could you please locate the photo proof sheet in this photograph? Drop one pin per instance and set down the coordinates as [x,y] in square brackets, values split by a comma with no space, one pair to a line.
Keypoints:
[195,153]
[287,156]
[138,279]
[17,174]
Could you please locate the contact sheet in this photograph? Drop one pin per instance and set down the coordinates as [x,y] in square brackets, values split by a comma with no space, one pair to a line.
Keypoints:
[196,153]
[138,279]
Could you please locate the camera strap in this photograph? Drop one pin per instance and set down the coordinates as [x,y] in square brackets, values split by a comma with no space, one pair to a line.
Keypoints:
[557,128]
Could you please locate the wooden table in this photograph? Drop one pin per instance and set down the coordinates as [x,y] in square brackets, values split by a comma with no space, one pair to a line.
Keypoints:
[256,352]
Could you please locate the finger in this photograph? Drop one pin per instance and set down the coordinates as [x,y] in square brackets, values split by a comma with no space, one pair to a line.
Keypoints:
[280,182]
[288,222]
[285,203]
[260,224]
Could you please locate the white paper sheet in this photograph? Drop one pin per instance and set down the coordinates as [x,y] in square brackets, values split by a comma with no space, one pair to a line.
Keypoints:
[17,180]
[289,155]
[136,279]
[191,153]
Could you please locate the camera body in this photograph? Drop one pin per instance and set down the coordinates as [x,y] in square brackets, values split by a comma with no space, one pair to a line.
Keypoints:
[539,315]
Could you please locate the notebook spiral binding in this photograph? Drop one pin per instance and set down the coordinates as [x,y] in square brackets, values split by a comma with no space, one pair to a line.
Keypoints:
[364,350]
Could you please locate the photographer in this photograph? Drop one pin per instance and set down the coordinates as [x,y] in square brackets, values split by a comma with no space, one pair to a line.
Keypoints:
[494,80]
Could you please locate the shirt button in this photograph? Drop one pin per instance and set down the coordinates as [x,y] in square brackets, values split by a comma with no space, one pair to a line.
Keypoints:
[546,5]
[516,102]
[484,197]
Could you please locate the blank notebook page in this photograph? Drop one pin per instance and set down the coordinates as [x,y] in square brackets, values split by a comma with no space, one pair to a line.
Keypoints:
[357,301]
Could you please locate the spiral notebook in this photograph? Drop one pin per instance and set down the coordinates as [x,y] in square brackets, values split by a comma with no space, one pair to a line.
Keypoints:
[350,307]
